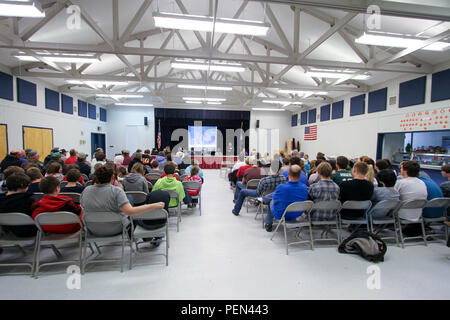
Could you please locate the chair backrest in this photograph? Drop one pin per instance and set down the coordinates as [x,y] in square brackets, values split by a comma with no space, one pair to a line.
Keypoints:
[413,204]
[328,205]
[174,195]
[15,219]
[38,196]
[192,184]
[75,196]
[103,224]
[357,205]
[252,184]
[438,203]
[150,185]
[56,218]
[386,206]
[299,206]
[101,217]
[138,196]
[85,177]
[152,215]
[153,176]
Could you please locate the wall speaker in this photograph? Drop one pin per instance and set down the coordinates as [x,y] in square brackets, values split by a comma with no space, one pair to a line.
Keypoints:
[145,121]
[257,124]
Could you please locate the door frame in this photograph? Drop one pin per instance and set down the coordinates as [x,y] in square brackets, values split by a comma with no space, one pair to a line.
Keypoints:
[33,127]
[98,133]
[7,140]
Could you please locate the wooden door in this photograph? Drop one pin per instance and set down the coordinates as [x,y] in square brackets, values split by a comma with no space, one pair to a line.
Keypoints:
[39,139]
[3,141]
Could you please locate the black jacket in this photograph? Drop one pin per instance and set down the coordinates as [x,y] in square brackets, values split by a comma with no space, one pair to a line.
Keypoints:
[84,168]
[136,161]
[19,202]
[10,161]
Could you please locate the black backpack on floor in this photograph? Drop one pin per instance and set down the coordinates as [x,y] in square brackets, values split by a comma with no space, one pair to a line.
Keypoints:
[366,244]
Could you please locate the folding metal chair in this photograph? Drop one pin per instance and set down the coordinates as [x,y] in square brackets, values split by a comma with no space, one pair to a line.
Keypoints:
[75,196]
[411,204]
[355,205]
[150,186]
[443,203]
[262,205]
[195,185]
[333,206]
[389,207]
[138,196]
[59,218]
[103,222]
[10,240]
[153,177]
[251,184]
[174,195]
[304,206]
[140,232]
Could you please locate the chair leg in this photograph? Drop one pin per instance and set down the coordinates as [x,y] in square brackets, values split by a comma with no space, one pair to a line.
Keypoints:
[34,258]
[81,250]
[285,238]
[275,232]
[167,248]
[401,233]
[123,252]
[424,236]
[131,254]
[311,236]
[396,235]
[38,254]
[83,266]
[200,203]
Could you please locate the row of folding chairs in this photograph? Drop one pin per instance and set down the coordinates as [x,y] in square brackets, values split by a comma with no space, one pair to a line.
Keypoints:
[373,224]
[83,238]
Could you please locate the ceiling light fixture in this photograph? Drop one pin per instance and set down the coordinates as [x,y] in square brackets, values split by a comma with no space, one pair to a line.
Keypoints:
[98,83]
[336,74]
[28,9]
[59,58]
[204,65]
[267,109]
[205,99]
[282,102]
[112,95]
[134,104]
[205,23]
[188,86]
[194,102]
[303,94]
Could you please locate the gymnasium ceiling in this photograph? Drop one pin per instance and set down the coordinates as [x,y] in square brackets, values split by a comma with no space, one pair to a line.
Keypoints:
[303,35]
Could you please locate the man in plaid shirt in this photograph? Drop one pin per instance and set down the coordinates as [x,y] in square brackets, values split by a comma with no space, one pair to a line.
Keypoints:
[323,190]
[266,184]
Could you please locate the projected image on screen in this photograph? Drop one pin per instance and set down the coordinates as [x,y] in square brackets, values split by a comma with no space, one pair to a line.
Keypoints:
[202,137]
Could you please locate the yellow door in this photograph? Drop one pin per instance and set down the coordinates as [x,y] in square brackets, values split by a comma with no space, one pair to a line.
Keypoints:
[38,139]
[3,141]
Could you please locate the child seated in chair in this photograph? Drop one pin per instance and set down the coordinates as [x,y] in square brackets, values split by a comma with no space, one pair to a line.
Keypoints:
[194,177]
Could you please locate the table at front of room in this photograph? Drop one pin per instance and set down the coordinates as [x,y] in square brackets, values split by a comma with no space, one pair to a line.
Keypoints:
[214,162]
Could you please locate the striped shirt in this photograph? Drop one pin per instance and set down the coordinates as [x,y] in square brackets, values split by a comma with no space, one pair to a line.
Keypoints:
[323,190]
[269,183]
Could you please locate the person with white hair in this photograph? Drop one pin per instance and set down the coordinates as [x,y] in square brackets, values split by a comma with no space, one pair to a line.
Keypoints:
[118,161]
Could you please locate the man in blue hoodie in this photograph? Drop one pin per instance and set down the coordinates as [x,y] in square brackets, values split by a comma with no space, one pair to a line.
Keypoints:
[284,195]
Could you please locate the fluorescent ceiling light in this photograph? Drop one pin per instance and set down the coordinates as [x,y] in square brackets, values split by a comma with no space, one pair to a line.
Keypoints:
[98,83]
[194,102]
[188,86]
[387,40]
[29,9]
[303,94]
[134,104]
[213,102]
[204,23]
[281,102]
[267,109]
[204,65]
[205,99]
[336,74]
[112,95]
[59,58]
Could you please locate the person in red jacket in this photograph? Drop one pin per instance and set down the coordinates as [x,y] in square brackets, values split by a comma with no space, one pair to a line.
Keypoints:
[53,202]
[73,157]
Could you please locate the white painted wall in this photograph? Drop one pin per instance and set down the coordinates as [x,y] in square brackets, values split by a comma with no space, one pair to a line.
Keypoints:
[356,136]
[278,122]
[68,130]
[126,129]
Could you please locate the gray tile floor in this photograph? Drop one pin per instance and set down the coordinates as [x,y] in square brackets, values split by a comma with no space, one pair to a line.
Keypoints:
[220,256]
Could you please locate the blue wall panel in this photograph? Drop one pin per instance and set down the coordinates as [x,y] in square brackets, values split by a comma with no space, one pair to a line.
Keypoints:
[92,111]
[6,86]
[26,92]
[304,118]
[440,86]
[377,100]
[412,92]
[337,111]
[51,99]
[82,108]
[358,105]
[312,116]
[66,104]
[325,113]
[103,114]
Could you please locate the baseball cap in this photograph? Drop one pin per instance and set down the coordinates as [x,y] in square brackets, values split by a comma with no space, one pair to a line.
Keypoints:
[63,150]
[56,155]
[56,149]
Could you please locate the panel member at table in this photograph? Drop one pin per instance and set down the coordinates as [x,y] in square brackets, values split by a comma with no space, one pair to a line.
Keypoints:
[230,149]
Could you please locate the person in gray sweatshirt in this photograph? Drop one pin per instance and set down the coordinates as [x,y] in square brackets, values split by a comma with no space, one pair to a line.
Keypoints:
[135,181]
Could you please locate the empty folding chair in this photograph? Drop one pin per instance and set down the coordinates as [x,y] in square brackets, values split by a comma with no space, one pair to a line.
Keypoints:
[138,196]
[443,203]
[411,204]
[141,233]
[303,221]
[195,185]
[332,206]
[59,218]
[174,195]
[75,196]
[251,184]
[97,226]
[356,205]
[383,214]
[10,240]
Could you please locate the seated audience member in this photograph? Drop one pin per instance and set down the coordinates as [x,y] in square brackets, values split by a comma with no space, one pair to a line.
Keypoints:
[323,190]
[33,158]
[314,176]
[232,175]
[121,173]
[266,184]
[194,176]
[384,191]
[358,189]
[100,158]
[53,202]
[18,200]
[243,168]
[63,155]
[445,186]
[169,182]
[155,168]
[381,165]
[115,182]
[118,161]
[285,166]
[307,163]
[285,194]
[342,174]
[299,162]
[320,156]
[254,172]
[126,157]
[161,158]
[177,175]
[92,175]
[55,158]
[74,166]
[433,192]
[9,171]
[410,187]
[370,176]
[11,159]
[36,177]
[146,157]
[55,170]
[154,151]
[194,162]
[135,181]
[82,164]
[104,197]
[73,157]
[73,176]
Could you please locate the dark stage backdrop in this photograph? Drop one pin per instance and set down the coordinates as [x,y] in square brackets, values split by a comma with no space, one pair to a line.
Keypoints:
[172,119]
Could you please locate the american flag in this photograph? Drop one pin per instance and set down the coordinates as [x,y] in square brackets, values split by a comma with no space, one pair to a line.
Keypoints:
[310,133]
[159,135]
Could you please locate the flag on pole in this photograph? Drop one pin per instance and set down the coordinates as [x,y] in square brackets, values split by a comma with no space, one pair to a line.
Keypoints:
[158,141]
[310,133]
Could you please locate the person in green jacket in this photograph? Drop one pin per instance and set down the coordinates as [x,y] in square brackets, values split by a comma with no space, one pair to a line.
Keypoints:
[169,182]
